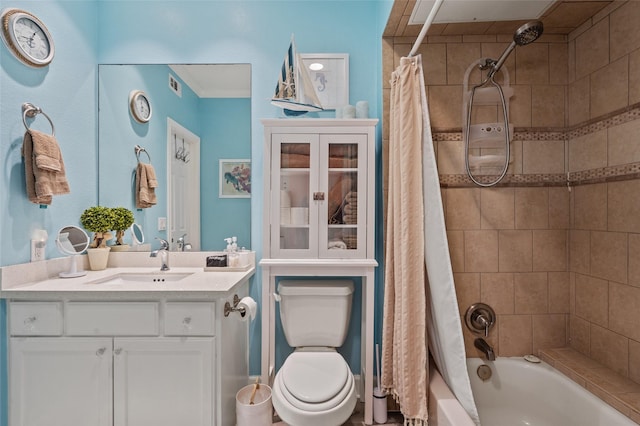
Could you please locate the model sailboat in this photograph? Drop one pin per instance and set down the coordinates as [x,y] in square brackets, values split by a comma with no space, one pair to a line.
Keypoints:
[294,92]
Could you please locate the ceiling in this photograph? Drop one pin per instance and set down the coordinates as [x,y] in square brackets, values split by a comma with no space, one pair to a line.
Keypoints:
[478,10]
[477,17]
[216,80]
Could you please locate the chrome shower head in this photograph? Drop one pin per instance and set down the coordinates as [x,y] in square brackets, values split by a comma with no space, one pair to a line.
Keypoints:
[527,33]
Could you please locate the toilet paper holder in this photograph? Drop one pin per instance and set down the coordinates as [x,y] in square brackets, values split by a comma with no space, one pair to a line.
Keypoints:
[228,308]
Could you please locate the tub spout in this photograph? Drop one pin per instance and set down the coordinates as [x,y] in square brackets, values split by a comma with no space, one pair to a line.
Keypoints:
[482,345]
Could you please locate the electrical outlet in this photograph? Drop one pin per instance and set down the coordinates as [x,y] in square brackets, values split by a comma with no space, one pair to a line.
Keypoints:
[162,224]
[37,250]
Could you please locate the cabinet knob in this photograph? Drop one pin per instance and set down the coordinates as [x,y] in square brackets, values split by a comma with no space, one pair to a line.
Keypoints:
[29,322]
[101,351]
[117,351]
[318,196]
[186,320]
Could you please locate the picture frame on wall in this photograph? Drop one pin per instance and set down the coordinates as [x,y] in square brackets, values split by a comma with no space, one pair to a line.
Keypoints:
[235,178]
[329,73]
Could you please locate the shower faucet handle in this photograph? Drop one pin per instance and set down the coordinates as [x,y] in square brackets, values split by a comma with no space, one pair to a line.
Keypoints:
[480,318]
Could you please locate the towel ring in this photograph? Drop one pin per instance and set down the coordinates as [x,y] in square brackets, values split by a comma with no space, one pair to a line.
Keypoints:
[30,110]
[138,149]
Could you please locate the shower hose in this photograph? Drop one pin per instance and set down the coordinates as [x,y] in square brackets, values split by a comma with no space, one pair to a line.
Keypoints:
[507,135]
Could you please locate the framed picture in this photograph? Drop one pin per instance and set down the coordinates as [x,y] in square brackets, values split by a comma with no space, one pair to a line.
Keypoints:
[235,178]
[329,73]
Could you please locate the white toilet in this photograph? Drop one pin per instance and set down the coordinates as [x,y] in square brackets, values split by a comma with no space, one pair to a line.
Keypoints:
[315,386]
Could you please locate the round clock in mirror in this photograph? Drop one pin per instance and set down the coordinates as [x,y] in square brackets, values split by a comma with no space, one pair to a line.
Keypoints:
[140,106]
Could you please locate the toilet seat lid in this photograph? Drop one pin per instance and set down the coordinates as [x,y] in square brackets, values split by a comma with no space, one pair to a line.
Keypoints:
[315,377]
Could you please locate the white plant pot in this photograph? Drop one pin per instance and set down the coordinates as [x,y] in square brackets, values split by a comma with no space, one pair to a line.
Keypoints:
[121,247]
[98,258]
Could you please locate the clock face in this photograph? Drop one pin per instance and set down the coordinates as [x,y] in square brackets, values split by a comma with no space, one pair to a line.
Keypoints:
[26,37]
[31,38]
[140,106]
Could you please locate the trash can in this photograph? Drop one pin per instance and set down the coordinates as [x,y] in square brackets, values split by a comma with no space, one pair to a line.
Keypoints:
[260,413]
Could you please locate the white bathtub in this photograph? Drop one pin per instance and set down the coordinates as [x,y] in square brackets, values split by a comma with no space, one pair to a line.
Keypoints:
[523,393]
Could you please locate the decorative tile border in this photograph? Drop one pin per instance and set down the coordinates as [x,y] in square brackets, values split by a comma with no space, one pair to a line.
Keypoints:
[520,180]
[586,177]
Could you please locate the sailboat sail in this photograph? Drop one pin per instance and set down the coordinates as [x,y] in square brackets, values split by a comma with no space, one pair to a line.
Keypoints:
[294,92]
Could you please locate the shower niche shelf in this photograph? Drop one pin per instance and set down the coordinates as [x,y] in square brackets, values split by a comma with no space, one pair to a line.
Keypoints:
[488,135]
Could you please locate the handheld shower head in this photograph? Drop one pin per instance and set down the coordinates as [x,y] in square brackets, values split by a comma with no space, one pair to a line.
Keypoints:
[527,33]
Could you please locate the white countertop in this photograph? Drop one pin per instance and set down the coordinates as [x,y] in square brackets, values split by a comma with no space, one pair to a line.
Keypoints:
[40,281]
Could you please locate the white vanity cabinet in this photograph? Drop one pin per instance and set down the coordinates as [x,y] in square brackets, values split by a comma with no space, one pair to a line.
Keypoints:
[163,382]
[124,363]
[319,188]
[60,381]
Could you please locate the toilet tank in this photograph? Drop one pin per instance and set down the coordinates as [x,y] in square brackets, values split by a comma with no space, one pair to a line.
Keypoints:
[315,312]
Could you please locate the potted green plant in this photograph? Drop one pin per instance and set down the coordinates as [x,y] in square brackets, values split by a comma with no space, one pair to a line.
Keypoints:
[123,221]
[99,220]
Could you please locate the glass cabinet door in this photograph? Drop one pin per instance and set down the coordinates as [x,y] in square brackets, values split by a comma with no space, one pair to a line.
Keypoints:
[315,183]
[294,158]
[343,215]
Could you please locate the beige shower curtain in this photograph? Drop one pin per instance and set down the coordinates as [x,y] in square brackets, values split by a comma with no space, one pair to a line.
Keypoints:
[420,303]
[404,339]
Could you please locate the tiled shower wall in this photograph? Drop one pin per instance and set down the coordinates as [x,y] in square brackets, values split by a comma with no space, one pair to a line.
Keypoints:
[559,267]
[604,91]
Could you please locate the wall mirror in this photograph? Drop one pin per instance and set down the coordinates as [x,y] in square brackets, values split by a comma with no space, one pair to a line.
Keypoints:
[72,240]
[201,115]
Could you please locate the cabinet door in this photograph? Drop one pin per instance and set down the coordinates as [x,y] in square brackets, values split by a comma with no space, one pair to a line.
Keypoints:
[163,381]
[294,178]
[343,178]
[60,381]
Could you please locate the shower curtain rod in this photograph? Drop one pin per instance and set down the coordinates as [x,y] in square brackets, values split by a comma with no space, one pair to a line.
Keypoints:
[425,27]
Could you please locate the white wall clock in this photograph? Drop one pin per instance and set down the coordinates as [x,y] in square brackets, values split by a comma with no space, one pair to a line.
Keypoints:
[26,37]
[140,106]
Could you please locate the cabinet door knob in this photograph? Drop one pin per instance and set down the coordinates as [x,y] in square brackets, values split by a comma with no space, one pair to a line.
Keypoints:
[101,351]
[29,323]
[318,196]
[117,351]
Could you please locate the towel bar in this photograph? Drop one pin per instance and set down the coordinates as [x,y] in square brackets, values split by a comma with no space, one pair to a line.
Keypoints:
[138,149]
[30,110]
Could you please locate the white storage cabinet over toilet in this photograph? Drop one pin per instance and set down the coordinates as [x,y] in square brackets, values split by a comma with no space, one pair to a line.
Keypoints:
[319,218]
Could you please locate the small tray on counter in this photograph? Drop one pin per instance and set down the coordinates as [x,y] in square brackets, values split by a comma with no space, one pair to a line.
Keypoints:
[227,268]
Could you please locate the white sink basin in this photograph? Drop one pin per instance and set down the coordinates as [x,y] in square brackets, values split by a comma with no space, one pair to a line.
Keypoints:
[143,277]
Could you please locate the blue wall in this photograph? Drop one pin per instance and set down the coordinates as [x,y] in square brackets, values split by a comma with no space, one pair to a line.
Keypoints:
[88,32]
[225,134]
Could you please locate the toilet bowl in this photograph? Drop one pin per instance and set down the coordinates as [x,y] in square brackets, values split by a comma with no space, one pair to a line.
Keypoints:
[314,389]
[315,386]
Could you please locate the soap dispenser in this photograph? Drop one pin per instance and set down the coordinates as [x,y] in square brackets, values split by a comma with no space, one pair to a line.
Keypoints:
[232,252]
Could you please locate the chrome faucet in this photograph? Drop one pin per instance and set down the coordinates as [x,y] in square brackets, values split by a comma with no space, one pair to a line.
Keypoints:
[482,345]
[182,246]
[164,254]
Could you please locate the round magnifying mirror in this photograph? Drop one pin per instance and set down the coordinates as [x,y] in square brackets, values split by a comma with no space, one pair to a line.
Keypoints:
[137,234]
[73,241]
